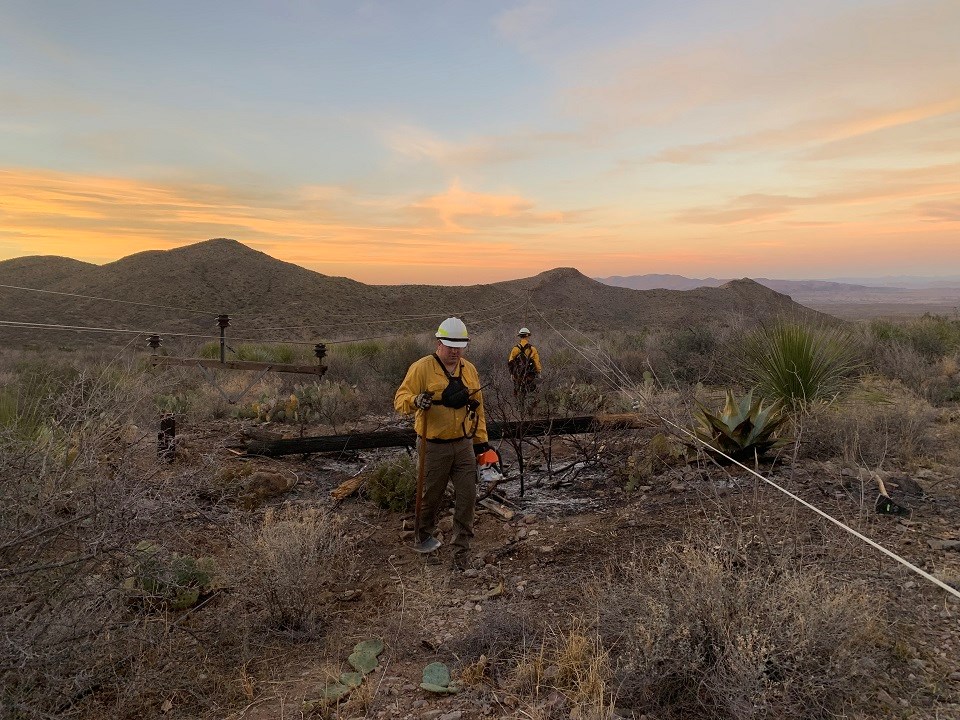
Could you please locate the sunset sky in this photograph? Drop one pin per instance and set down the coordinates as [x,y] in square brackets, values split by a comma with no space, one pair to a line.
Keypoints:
[470,141]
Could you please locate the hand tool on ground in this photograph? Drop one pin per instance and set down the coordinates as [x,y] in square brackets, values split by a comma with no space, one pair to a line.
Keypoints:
[885,505]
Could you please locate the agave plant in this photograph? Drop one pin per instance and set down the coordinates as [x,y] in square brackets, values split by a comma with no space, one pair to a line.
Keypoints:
[742,430]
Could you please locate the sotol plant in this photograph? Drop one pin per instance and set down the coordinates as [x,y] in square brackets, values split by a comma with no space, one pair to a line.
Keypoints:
[742,430]
[798,364]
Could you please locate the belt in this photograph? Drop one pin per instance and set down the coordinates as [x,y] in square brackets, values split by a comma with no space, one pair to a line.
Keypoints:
[444,441]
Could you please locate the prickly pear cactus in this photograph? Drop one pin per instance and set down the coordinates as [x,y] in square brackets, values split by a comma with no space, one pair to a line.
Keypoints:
[364,660]
[436,678]
[364,656]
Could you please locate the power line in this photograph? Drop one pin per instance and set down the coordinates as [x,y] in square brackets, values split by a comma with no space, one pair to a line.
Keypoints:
[84,328]
[394,319]
[113,300]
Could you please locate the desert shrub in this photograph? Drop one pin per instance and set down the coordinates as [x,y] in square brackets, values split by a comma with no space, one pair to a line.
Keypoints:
[575,398]
[393,484]
[629,351]
[796,364]
[356,363]
[284,570]
[371,362]
[28,399]
[870,430]
[694,631]
[397,356]
[503,638]
[167,579]
[933,336]
[901,361]
[937,380]
[645,456]
[333,402]
[176,403]
[686,355]
[74,502]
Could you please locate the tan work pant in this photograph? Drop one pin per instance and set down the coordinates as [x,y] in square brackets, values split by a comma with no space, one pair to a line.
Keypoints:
[449,462]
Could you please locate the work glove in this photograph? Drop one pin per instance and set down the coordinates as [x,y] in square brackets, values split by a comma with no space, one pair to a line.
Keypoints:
[480,448]
[424,400]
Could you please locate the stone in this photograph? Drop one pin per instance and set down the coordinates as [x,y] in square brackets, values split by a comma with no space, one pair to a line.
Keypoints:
[944,544]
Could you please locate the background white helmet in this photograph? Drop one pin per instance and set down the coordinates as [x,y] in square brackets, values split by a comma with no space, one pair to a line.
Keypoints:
[453,333]
[523,331]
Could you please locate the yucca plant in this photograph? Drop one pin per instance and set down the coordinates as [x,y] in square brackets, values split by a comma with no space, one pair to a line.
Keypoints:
[742,430]
[797,364]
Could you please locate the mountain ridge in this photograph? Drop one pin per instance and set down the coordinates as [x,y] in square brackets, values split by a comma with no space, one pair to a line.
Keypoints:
[223,276]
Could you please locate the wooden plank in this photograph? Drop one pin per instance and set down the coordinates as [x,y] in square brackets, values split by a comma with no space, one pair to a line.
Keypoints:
[348,487]
[501,511]
[238,365]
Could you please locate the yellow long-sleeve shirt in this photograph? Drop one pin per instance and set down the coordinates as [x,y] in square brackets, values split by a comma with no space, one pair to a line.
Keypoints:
[534,355]
[426,375]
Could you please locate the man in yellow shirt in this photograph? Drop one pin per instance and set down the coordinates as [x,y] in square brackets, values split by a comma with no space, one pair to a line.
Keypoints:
[443,389]
[524,364]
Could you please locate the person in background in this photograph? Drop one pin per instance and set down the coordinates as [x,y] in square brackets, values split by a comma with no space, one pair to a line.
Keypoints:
[524,364]
[443,389]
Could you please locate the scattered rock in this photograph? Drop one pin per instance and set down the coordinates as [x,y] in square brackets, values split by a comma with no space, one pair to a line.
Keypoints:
[944,544]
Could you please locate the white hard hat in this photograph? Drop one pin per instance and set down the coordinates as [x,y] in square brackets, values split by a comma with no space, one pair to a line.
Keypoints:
[453,333]
[523,331]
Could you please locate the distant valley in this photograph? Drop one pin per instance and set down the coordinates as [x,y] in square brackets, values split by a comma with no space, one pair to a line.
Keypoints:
[849,298]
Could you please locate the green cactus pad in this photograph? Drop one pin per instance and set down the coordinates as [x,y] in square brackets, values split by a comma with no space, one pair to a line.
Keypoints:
[364,656]
[351,679]
[374,646]
[329,693]
[436,678]
[185,598]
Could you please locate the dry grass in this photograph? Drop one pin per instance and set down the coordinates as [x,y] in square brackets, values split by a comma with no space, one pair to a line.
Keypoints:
[567,676]
[697,630]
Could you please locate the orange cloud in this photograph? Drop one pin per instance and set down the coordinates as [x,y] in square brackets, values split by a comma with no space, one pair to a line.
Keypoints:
[101,219]
[456,208]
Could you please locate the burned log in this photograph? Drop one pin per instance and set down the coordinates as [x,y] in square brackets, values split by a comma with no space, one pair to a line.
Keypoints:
[407,438]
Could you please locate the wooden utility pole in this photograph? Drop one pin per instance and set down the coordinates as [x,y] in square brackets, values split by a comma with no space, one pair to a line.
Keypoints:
[407,438]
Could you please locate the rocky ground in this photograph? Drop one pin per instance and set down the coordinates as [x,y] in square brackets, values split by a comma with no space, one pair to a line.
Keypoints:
[564,532]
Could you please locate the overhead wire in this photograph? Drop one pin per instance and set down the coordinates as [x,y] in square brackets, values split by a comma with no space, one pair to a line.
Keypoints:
[113,300]
[384,321]
[872,543]
[85,328]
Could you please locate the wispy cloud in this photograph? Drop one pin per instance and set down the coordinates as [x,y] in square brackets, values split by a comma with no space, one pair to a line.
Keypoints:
[821,133]
[880,192]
